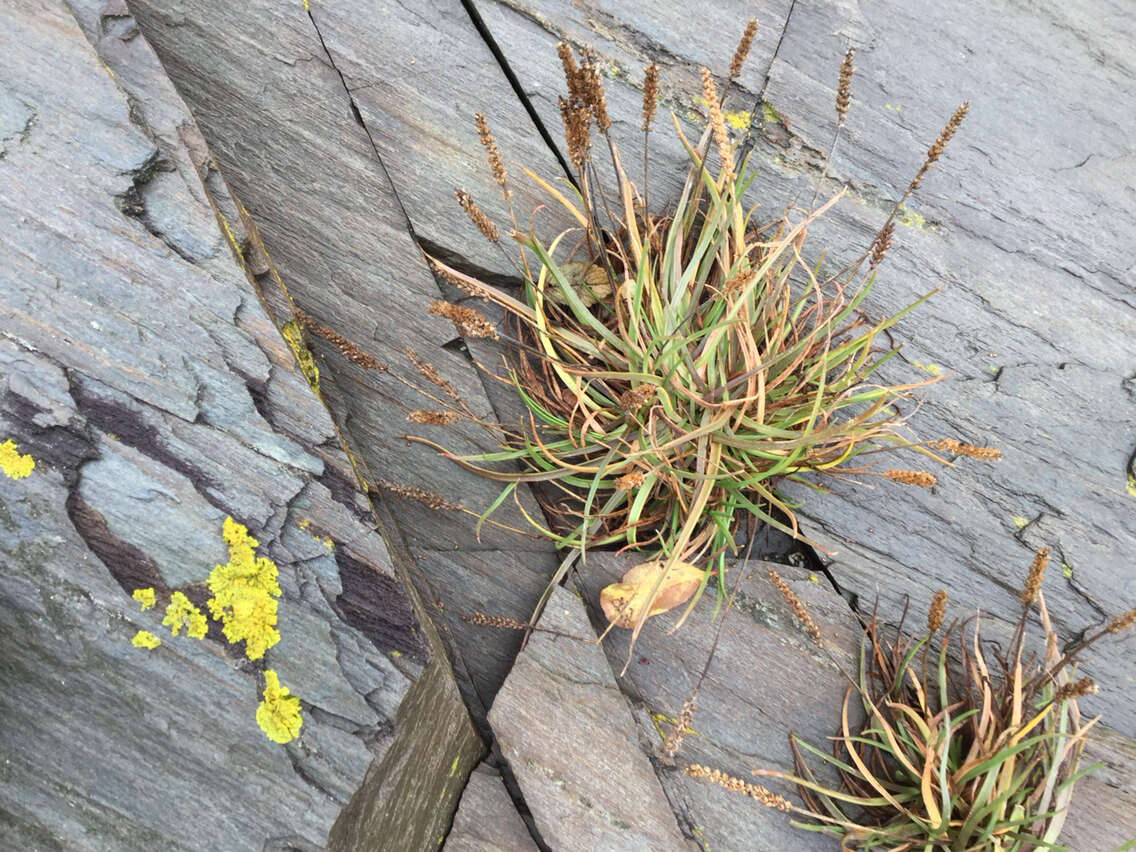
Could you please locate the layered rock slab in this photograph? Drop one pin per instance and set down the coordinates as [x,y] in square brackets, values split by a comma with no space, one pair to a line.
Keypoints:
[285,131]
[486,819]
[569,737]
[143,376]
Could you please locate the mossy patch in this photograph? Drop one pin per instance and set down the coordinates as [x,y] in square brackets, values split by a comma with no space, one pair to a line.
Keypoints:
[307,364]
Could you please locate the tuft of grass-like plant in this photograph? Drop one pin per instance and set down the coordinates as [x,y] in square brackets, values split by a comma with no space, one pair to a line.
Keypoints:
[976,752]
[676,367]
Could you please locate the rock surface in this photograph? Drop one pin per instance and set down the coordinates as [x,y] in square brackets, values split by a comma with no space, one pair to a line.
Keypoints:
[767,678]
[142,374]
[339,242]
[565,729]
[332,137]
[487,819]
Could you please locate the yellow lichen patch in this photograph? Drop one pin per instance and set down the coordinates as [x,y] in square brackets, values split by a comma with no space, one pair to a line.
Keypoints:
[1131,485]
[244,593]
[325,540]
[1019,521]
[769,115]
[303,356]
[909,218]
[182,613]
[14,465]
[145,639]
[144,597]
[1066,571]
[279,713]
[933,369]
[739,119]
[893,108]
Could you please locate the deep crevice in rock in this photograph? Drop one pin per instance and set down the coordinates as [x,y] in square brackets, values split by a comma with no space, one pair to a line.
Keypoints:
[506,69]
[747,143]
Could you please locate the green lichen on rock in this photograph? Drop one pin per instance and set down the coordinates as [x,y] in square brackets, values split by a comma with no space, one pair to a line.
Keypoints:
[294,337]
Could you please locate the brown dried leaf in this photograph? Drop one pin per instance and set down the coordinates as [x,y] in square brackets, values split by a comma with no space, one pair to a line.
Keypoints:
[623,601]
[589,280]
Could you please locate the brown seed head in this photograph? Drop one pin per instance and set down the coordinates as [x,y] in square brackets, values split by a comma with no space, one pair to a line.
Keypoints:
[1075,690]
[467,321]
[718,125]
[670,746]
[1033,578]
[634,399]
[594,94]
[419,495]
[799,611]
[572,75]
[910,477]
[935,613]
[477,216]
[629,481]
[650,95]
[936,149]
[737,785]
[844,87]
[349,350]
[743,49]
[501,621]
[950,445]
[574,114]
[490,146]
[881,244]
[430,373]
[1122,622]
[433,418]
[739,282]
[463,285]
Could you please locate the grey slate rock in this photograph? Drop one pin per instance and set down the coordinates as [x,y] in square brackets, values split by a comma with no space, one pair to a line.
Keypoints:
[323,205]
[138,368]
[568,735]
[767,678]
[486,819]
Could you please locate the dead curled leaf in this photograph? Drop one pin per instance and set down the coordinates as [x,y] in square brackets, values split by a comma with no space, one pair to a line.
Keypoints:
[589,280]
[623,601]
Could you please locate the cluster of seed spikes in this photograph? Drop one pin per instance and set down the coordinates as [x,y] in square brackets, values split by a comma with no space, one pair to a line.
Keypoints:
[676,367]
[969,753]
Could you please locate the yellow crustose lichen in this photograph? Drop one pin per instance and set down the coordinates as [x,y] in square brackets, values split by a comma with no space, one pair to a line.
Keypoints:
[244,593]
[145,639]
[182,613]
[279,713]
[244,601]
[14,465]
